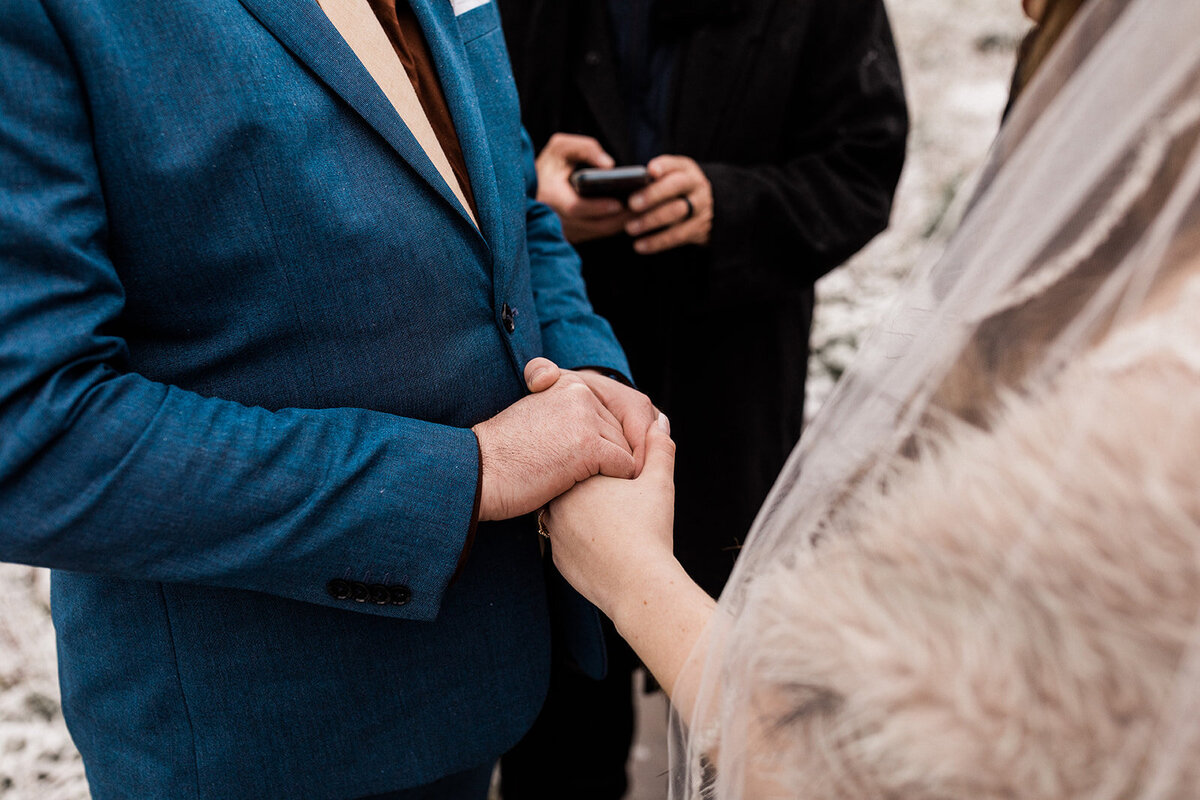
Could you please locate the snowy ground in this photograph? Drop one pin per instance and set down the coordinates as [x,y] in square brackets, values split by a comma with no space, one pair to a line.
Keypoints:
[957,56]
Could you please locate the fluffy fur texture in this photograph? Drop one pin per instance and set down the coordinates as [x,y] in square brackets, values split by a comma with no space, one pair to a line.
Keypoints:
[1014,617]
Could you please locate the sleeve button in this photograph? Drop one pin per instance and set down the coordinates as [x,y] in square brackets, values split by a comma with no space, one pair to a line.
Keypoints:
[338,589]
[399,594]
[380,595]
[359,592]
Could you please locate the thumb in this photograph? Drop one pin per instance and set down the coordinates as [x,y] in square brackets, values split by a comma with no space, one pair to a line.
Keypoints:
[586,150]
[660,450]
[541,374]
[602,159]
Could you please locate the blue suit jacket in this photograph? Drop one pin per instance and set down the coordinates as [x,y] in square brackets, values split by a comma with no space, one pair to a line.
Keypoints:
[244,328]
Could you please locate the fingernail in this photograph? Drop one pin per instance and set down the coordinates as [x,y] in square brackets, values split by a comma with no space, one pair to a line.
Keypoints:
[664,424]
[633,228]
[636,202]
[640,246]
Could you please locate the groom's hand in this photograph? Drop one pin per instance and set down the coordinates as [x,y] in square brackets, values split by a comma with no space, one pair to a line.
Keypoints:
[632,409]
[545,443]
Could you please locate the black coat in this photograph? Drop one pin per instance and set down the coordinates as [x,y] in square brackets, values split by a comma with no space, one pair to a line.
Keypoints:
[795,111]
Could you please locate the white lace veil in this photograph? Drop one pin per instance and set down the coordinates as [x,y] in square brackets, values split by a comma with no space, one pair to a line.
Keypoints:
[1088,207]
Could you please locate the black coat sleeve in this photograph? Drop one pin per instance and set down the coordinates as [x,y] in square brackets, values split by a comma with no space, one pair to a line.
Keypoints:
[846,130]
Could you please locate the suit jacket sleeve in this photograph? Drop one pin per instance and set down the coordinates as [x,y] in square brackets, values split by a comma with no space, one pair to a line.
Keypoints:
[104,471]
[573,335]
[847,129]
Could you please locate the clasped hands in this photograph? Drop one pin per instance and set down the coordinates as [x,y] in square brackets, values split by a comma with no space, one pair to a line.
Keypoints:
[657,217]
[548,446]
[573,425]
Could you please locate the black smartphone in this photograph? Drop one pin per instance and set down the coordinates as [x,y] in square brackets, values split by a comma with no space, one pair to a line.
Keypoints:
[617,183]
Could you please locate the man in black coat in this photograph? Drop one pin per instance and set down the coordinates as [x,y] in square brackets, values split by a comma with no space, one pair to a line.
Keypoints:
[774,131]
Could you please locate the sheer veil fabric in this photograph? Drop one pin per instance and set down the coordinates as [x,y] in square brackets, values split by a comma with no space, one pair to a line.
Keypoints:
[978,575]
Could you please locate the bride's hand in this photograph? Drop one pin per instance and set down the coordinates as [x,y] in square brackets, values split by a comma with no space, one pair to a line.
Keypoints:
[611,536]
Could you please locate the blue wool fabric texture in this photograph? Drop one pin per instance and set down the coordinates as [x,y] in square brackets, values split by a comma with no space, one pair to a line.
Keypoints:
[244,330]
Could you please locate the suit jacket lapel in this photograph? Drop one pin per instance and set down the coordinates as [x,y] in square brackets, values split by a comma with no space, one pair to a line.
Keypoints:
[454,70]
[713,64]
[302,27]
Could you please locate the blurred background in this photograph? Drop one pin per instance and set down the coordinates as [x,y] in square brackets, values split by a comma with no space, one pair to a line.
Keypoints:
[957,57]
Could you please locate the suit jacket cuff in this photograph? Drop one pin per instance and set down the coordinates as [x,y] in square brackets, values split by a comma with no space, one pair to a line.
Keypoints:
[413,537]
[585,340]
[470,541]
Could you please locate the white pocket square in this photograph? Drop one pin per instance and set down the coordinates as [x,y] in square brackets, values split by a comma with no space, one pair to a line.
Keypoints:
[463,6]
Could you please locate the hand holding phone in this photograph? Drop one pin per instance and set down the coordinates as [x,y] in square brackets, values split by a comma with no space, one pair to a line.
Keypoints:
[583,218]
[673,211]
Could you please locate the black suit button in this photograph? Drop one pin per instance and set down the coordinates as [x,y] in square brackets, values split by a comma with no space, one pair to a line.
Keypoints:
[508,316]
[338,589]
[380,595]
[359,592]
[399,594]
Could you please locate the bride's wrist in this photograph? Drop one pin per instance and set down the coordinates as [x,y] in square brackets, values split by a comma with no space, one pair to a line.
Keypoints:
[662,618]
[658,586]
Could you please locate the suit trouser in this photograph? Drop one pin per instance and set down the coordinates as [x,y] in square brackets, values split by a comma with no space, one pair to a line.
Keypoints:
[470,785]
[579,745]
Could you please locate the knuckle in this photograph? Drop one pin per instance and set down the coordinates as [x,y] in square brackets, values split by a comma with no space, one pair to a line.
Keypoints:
[584,396]
[580,436]
[581,452]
